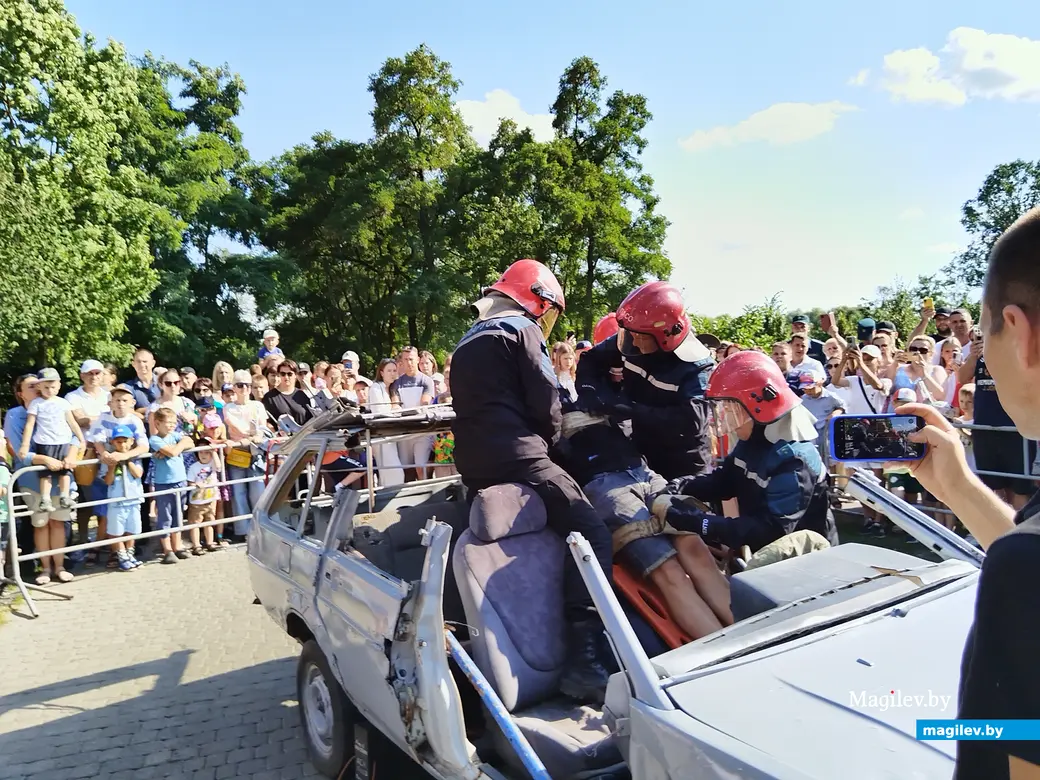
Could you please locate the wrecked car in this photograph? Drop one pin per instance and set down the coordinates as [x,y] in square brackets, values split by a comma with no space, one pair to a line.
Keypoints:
[437,632]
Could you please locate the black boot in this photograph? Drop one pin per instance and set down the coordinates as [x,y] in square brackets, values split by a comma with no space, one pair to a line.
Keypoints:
[584,674]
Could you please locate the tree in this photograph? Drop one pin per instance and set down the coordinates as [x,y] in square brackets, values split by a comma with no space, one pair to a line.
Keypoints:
[604,206]
[1009,191]
[76,217]
[759,325]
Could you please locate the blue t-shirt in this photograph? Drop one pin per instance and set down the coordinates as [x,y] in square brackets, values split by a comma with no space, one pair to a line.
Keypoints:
[823,407]
[14,430]
[168,470]
[264,352]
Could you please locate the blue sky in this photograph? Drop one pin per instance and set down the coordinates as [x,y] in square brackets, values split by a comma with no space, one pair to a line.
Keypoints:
[812,149]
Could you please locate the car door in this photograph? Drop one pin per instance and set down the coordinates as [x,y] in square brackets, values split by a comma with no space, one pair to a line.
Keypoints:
[360,606]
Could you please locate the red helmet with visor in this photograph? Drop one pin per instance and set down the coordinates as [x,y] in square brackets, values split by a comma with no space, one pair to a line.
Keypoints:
[535,289]
[657,309]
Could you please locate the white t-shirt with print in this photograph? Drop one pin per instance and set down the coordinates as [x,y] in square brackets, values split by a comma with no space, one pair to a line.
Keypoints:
[52,425]
[410,389]
[204,477]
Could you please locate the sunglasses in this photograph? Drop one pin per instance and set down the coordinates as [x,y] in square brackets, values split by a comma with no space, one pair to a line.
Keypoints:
[833,366]
[286,373]
[174,383]
[242,384]
[918,350]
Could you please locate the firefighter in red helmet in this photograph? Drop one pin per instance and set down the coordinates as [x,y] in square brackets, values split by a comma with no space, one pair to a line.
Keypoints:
[664,372]
[775,471]
[606,328]
[507,418]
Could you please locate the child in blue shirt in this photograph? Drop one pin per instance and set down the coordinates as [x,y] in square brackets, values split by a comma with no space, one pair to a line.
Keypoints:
[124,481]
[270,345]
[168,446]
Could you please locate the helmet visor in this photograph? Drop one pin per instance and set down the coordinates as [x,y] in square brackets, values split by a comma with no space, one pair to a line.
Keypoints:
[728,417]
[548,321]
[628,342]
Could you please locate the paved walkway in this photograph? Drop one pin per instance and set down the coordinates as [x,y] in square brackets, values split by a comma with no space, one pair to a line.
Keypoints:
[167,671]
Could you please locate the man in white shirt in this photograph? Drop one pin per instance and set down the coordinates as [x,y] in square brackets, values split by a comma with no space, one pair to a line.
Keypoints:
[864,392]
[89,401]
[801,363]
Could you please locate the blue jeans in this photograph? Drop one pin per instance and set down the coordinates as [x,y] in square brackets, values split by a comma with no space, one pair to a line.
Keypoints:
[244,495]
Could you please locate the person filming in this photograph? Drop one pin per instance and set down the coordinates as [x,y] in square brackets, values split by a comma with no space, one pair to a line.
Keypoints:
[999,679]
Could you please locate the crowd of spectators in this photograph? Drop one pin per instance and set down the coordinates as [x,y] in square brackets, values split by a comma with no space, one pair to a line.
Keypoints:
[877,370]
[167,449]
[204,431]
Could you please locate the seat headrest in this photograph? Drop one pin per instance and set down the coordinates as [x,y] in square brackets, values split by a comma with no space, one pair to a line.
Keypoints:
[507,510]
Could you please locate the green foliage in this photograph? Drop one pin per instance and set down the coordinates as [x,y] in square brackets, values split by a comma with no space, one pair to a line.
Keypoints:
[1009,191]
[757,326]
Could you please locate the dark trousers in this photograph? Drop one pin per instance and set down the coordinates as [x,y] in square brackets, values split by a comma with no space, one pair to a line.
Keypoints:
[567,509]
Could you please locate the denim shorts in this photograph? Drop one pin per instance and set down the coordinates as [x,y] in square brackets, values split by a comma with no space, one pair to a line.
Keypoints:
[622,497]
[169,509]
[123,519]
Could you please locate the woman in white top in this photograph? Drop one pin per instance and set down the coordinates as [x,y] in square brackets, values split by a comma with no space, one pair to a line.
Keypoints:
[950,361]
[565,361]
[246,423]
[388,459]
[929,379]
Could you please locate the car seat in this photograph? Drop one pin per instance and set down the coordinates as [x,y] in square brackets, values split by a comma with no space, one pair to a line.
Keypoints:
[509,569]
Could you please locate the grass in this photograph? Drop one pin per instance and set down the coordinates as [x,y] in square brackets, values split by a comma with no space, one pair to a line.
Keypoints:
[850,529]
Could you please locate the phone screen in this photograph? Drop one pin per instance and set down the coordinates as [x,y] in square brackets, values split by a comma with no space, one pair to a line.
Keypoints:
[877,437]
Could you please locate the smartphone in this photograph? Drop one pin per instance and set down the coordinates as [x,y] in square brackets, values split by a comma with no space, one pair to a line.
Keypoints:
[976,333]
[928,303]
[827,322]
[875,437]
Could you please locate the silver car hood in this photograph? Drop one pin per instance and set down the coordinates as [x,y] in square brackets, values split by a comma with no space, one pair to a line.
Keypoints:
[844,702]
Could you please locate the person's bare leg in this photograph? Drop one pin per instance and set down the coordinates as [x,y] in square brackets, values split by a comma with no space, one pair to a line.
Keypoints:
[42,542]
[57,540]
[686,608]
[711,584]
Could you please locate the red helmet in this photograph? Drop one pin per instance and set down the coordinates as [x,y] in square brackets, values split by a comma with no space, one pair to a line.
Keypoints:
[657,309]
[754,381]
[535,289]
[606,328]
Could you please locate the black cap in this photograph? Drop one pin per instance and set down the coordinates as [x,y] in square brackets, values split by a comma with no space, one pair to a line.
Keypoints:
[943,311]
[885,325]
[189,370]
[800,318]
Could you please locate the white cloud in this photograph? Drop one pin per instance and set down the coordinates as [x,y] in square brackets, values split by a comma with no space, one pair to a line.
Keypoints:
[778,125]
[483,116]
[947,248]
[914,75]
[911,214]
[973,64]
[860,79]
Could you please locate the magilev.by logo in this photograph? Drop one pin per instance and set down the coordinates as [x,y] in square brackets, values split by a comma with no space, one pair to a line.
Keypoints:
[896,699]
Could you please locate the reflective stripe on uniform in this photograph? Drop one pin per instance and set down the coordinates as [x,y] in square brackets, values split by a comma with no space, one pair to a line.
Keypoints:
[649,377]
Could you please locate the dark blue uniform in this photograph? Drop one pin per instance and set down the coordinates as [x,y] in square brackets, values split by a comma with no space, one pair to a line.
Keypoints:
[667,407]
[507,417]
[780,488]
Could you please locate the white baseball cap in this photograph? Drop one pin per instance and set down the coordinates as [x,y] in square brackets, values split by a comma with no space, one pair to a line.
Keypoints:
[871,350]
[91,365]
[906,394]
[270,334]
[351,355]
[242,377]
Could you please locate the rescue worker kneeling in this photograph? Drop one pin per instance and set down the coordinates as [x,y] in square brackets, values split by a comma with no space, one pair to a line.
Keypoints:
[775,471]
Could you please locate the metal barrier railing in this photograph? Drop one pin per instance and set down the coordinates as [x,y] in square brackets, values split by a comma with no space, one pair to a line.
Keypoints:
[272,460]
[15,513]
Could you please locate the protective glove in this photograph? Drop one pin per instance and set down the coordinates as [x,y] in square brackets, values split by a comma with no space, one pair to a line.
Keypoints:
[621,411]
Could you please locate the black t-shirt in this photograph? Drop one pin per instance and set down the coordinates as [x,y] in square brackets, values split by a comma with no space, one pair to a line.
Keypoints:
[297,405]
[1000,679]
[988,409]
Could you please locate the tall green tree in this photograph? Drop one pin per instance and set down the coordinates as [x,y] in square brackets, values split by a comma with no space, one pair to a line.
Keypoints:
[76,215]
[612,235]
[1009,191]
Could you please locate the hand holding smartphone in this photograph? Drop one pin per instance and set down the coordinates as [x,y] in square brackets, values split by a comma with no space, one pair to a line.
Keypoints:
[875,437]
[827,322]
